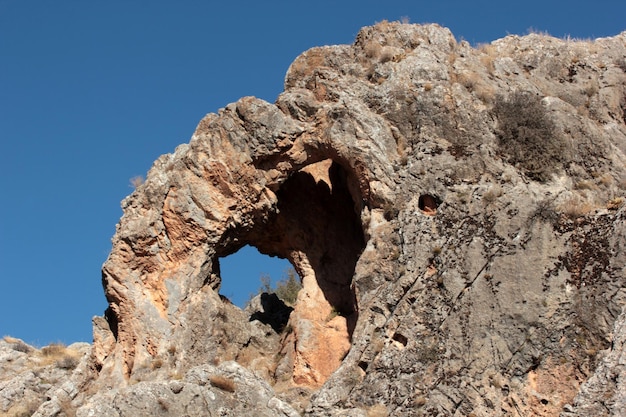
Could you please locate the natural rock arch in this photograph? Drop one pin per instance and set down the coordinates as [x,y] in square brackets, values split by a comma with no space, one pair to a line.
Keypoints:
[303,202]
[318,230]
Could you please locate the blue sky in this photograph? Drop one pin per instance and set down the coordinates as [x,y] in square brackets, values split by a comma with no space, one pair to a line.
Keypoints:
[93,91]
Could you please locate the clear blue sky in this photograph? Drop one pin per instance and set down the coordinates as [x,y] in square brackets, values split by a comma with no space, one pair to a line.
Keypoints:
[93,91]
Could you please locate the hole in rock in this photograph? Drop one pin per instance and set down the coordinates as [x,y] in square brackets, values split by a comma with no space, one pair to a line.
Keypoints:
[247,273]
[400,338]
[316,225]
[428,204]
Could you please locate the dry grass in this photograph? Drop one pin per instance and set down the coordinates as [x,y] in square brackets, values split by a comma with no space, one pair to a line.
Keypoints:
[468,79]
[305,64]
[488,54]
[23,410]
[10,339]
[165,406]
[157,363]
[67,409]
[615,203]
[484,92]
[176,375]
[606,180]
[223,383]
[387,54]
[575,207]
[136,181]
[373,49]
[60,355]
[54,350]
[492,194]
[377,410]
[584,185]
[419,401]
[17,344]
[473,82]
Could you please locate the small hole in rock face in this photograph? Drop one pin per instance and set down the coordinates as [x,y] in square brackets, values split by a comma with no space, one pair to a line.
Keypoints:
[428,204]
[400,338]
[363,365]
[544,401]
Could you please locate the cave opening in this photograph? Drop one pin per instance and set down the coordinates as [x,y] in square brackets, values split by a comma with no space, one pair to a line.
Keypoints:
[316,226]
[428,204]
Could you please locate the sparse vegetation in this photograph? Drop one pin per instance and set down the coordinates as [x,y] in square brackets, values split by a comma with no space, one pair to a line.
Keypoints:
[377,410]
[54,349]
[286,289]
[165,406]
[23,410]
[67,409]
[492,194]
[223,383]
[390,211]
[59,355]
[333,313]
[615,203]
[575,207]
[527,137]
[157,363]
[136,181]
[67,362]
[17,344]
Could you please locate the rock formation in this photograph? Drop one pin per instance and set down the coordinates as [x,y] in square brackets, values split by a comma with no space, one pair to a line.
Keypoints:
[456,215]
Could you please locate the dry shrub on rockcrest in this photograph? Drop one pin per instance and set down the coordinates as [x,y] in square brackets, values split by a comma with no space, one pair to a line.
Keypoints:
[527,137]
[136,181]
[59,354]
[17,344]
[223,383]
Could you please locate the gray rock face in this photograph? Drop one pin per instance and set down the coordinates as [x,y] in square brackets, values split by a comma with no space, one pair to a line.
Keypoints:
[30,378]
[207,390]
[605,392]
[456,215]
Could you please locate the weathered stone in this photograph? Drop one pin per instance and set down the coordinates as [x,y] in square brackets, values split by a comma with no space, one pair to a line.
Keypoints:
[448,266]
[29,377]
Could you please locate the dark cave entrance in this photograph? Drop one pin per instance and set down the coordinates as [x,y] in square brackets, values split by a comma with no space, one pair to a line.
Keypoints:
[323,231]
[428,204]
[316,225]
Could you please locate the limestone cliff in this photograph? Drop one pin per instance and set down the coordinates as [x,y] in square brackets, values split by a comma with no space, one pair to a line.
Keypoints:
[456,215]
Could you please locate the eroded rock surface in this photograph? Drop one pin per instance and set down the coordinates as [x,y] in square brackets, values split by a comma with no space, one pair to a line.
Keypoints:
[456,215]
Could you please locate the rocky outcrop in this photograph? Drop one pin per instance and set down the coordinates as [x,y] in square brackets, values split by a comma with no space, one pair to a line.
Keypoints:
[456,216]
[30,376]
[605,392]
